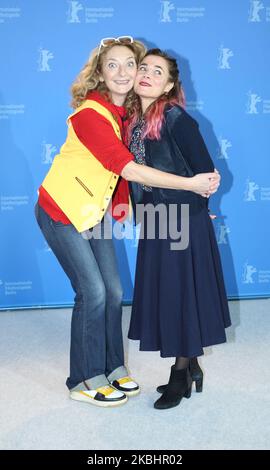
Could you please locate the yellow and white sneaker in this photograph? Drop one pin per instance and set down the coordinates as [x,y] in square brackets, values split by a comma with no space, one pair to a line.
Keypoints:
[102,396]
[126,385]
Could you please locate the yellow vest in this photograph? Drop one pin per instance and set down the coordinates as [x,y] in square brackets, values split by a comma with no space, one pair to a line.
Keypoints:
[77,181]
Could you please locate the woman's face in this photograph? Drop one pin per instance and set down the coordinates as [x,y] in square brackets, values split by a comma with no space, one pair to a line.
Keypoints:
[118,71]
[152,79]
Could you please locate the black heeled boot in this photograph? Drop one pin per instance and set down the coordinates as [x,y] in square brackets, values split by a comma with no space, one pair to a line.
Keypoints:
[196,375]
[179,386]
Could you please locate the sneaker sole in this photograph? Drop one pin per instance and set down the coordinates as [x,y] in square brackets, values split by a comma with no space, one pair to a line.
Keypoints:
[131,394]
[78,397]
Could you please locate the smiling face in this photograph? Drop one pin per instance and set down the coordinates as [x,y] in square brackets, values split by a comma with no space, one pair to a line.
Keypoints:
[118,71]
[152,79]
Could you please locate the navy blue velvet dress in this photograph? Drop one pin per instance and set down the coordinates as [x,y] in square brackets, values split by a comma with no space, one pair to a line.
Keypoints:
[179,304]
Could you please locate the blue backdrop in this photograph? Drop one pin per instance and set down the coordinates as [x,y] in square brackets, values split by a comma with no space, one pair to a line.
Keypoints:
[224,55]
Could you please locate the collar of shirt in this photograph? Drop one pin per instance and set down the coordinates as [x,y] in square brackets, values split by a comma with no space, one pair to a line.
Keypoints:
[118,111]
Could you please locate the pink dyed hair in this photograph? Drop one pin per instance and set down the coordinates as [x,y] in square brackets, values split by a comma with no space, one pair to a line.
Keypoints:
[155,114]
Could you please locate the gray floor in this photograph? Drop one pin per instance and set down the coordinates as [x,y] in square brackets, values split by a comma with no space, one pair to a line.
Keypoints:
[233,412]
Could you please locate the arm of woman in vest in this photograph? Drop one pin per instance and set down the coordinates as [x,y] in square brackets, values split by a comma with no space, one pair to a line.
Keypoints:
[97,134]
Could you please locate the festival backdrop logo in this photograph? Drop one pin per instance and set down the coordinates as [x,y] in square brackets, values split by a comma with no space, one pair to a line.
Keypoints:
[224,55]
[166,8]
[224,145]
[9,14]
[251,192]
[43,60]
[252,275]
[79,12]
[252,103]
[2,288]
[251,188]
[13,288]
[197,105]
[259,12]
[170,13]
[11,110]
[248,273]
[222,234]
[73,12]
[10,203]
[48,151]
[256,6]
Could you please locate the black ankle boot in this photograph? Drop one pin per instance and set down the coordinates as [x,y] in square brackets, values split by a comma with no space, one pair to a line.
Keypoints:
[196,375]
[179,386]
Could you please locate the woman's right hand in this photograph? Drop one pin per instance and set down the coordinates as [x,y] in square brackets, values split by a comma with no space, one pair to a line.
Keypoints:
[205,184]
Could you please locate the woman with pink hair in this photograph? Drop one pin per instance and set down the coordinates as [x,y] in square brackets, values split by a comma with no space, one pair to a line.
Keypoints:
[180,303]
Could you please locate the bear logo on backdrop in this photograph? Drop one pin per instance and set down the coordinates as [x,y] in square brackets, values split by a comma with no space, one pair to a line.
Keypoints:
[254,12]
[224,55]
[251,187]
[47,153]
[85,12]
[225,144]
[73,12]
[222,233]
[248,273]
[253,100]
[166,8]
[43,60]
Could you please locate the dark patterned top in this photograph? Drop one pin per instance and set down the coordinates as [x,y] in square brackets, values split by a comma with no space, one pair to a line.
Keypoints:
[137,147]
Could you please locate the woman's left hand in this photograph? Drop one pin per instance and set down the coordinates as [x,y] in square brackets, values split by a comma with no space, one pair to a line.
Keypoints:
[214,187]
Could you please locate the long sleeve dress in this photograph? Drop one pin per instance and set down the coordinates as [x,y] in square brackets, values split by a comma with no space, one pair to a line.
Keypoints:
[179,304]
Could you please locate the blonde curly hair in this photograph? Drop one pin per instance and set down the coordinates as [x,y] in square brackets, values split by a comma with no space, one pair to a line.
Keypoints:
[89,77]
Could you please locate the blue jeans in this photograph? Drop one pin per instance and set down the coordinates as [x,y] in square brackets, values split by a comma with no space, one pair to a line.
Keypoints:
[96,353]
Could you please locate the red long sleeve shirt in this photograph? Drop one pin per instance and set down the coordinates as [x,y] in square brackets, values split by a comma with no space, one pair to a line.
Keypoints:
[96,133]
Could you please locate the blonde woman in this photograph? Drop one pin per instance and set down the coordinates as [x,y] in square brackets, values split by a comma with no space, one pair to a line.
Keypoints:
[74,196]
